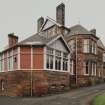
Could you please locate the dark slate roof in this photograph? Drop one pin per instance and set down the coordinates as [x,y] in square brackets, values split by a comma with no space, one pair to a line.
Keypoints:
[37,39]
[78,29]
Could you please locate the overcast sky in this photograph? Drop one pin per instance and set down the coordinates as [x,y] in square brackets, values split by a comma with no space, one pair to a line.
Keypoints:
[20,16]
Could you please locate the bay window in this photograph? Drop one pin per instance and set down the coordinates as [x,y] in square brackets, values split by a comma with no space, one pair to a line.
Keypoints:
[56,60]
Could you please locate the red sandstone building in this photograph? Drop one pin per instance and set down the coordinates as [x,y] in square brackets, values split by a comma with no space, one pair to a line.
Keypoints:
[52,59]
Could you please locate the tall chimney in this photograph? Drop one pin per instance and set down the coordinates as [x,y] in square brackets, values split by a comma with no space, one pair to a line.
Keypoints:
[93,31]
[60,14]
[12,39]
[40,23]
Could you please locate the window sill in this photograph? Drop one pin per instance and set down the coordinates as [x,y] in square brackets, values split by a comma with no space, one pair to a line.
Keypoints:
[56,70]
[86,74]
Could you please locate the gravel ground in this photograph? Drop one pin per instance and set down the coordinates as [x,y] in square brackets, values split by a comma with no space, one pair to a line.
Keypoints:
[81,96]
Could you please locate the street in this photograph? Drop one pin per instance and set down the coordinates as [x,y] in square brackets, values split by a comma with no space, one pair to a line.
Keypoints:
[81,96]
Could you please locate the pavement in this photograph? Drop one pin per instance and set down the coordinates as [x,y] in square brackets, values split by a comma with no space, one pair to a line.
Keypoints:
[82,96]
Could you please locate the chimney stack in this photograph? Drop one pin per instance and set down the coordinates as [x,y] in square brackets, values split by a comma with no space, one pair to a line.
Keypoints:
[93,31]
[60,14]
[12,39]
[40,22]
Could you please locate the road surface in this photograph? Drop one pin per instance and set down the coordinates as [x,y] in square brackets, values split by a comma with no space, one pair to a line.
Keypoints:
[81,96]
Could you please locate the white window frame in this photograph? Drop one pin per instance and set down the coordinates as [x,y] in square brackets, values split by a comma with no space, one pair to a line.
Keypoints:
[99,73]
[84,67]
[1,63]
[10,60]
[66,61]
[86,46]
[49,55]
[54,57]
[94,69]
[72,67]
[58,57]
[95,48]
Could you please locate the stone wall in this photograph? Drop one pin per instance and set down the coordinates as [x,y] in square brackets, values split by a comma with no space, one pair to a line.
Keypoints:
[57,81]
[83,80]
[88,80]
[18,83]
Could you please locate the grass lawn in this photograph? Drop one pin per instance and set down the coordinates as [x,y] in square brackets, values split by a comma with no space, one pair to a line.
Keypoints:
[99,100]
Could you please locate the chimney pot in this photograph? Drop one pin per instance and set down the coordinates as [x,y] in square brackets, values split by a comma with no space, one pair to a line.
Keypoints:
[60,14]
[12,39]
[40,22]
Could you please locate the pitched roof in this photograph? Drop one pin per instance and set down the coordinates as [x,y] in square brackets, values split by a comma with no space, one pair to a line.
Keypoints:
[100,44]
[52,22]
[37,39]
[40,39]
[78,29]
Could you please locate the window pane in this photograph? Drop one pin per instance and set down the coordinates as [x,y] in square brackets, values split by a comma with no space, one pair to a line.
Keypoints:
[49,51]
[51,62]
[0,65]
[86,45]
[72,67]
[86,67]
[47,63]
[86,41]
[58,53]
[58,63]
[65,64]
[65,55]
